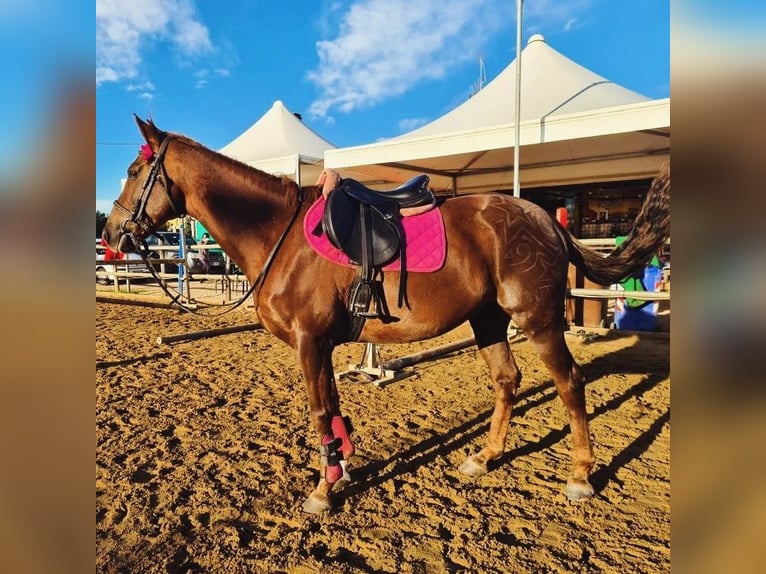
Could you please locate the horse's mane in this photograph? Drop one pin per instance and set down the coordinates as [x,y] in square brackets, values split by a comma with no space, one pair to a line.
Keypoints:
[247,172]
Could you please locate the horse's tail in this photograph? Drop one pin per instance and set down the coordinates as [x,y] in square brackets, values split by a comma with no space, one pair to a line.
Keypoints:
[650,230]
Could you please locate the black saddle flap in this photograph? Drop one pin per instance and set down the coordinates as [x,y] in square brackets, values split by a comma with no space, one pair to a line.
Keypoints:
[342,224]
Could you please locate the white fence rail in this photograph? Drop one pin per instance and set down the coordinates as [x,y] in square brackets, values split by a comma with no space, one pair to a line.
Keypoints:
[119,272]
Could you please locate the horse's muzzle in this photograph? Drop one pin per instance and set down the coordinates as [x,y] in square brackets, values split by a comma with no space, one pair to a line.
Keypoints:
[111,240]
[119,241]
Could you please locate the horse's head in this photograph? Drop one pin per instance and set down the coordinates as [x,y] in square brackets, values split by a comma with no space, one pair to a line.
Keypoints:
[149,197]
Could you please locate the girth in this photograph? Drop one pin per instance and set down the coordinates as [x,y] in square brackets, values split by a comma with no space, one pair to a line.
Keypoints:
[364,224]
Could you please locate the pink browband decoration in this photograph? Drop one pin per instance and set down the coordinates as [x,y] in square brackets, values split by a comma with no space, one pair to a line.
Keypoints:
[146,152]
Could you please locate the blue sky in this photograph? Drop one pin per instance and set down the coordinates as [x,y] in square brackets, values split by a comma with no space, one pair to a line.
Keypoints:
[357,70]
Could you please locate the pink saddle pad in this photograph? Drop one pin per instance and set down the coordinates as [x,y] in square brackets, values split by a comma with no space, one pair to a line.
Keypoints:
[423,234]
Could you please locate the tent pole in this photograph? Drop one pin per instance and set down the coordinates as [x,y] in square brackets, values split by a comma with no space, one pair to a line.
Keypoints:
[517,115]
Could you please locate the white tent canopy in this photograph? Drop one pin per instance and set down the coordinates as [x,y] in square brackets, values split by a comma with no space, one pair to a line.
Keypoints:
[280,143]
[576,127]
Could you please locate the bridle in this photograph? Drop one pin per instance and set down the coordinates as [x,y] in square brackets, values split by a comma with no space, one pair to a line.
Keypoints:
[138,216]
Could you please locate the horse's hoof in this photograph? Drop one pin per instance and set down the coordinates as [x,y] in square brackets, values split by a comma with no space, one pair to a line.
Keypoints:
[317,503]
[473,468]
[578,489]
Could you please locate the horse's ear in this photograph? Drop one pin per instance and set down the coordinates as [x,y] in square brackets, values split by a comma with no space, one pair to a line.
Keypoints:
[152,134]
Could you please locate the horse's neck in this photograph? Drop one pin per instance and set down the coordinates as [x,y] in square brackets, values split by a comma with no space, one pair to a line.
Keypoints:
[245,210]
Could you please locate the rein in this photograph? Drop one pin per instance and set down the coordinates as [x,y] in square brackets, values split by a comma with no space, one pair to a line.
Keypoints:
[256,283]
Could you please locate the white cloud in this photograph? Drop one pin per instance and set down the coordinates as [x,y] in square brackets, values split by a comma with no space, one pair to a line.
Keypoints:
[145,90]
[409,124]
[106,74]
[203,76]
[140,87]
[122,29]
[385,47]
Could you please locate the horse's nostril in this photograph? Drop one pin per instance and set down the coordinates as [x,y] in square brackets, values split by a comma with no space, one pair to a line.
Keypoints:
[127,245]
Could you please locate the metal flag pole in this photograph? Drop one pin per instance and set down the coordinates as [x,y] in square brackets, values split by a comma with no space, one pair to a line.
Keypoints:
[517,127]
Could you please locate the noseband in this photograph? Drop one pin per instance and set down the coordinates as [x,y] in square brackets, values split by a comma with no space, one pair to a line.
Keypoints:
[138,216]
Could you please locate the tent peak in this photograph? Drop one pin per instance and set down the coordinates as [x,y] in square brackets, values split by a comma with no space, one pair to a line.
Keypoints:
[536,38]
[277,134]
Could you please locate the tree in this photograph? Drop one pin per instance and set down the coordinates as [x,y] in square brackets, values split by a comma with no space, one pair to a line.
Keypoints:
[100,222]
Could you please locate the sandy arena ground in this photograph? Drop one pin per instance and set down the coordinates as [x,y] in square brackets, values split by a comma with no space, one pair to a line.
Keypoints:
[205,455]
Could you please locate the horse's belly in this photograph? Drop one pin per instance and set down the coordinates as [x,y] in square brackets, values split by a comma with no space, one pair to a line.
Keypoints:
[403,332]
[428,315]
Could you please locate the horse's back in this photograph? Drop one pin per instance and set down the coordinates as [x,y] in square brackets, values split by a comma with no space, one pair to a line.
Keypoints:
[500,227]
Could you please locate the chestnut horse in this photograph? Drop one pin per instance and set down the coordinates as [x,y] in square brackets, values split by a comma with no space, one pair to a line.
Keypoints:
[507,258]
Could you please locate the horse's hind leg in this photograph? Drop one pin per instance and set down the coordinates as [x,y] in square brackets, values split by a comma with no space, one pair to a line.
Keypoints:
[570,385]
[490,327]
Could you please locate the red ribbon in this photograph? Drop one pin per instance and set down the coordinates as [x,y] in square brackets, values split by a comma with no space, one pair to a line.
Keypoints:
[147,152]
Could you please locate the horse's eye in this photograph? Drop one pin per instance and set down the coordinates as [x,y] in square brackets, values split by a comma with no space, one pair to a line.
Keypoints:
[132,173]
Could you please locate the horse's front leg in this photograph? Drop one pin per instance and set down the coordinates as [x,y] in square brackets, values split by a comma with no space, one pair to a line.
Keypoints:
[335,445]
